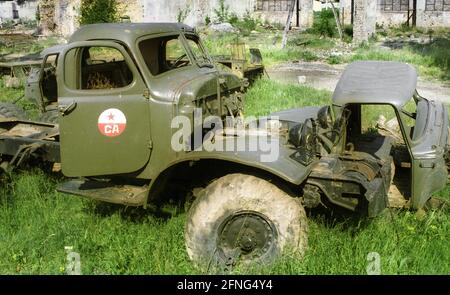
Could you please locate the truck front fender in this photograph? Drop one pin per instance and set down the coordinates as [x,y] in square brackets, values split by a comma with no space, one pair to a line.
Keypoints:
[277,161]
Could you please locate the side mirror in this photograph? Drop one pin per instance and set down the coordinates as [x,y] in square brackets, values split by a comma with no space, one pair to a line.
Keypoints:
[324,117]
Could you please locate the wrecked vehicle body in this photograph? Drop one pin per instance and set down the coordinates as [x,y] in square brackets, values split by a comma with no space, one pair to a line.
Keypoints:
[126,91]
[358,162]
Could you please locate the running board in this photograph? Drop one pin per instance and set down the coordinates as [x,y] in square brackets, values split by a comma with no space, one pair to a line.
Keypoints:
[129,195]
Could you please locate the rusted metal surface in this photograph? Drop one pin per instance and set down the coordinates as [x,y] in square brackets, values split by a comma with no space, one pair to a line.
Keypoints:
[18,68]
[240,64]
[21,140]
[106,191]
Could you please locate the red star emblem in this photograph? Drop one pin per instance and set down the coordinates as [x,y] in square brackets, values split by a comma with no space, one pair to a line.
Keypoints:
[110,116]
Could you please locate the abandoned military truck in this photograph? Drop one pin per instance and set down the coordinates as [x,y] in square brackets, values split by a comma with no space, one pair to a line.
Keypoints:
[123,91]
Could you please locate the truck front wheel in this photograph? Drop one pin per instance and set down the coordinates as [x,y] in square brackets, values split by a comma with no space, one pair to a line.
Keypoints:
[241,218]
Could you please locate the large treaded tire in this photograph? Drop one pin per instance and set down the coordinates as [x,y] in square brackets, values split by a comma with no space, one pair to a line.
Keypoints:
[237,193]
[10,110]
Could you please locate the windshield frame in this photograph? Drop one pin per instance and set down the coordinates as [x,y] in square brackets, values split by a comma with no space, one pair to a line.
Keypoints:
[184,44]
[207,62]
[424,117]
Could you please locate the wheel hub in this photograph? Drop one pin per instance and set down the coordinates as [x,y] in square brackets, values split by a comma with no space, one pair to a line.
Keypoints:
[249,232]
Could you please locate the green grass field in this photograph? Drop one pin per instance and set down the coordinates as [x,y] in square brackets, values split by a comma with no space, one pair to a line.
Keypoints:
[36,223]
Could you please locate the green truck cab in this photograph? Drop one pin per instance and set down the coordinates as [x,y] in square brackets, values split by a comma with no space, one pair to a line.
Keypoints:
[143,114]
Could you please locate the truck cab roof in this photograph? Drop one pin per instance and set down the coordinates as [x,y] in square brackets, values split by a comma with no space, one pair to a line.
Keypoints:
[376,82]
[126,32]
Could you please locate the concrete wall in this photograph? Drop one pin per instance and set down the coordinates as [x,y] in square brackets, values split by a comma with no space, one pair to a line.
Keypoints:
[133,9]
[64,19]
[371,17]
[47,17]
[434,19]
[26,11]
[387,19]
[364,20]
[66,16]
[396,18]
[345,10]
[431,18]
[167,11]
[161,11]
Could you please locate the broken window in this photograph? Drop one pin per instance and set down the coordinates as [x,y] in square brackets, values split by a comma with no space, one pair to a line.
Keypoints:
[273,5]
[437,5]
[168,53]
[175,56]
[395,5]
[100,68]
[197,50]
[163,54]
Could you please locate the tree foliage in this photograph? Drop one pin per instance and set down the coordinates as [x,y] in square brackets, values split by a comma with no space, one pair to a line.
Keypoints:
[98,11]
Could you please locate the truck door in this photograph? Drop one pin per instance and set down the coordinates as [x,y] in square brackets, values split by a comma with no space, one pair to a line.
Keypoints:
[103,112]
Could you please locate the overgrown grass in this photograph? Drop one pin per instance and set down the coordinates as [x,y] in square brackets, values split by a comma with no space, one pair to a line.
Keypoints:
[269,45]
[311,41]
[432,61]
[268,96]
[16,94]
[36,223]
[25,45]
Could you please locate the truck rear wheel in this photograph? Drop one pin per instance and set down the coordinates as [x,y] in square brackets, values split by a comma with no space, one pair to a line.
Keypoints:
[10,110]
[241,218]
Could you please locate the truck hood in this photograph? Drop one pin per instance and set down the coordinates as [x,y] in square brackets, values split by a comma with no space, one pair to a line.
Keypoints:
[192,83]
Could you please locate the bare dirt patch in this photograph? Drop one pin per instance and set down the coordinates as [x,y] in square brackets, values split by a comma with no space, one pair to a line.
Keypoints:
[324,76]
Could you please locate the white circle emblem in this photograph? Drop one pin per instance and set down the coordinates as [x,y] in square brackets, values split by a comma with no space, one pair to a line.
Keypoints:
[112,122]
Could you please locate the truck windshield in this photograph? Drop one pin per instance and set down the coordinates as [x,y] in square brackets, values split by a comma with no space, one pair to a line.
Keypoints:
[198,51]
[167,53]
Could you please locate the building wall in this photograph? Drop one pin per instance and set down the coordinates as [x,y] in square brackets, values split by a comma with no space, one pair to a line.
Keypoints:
[387,19]
[26,11]
[167,11]
[47,17]
[395,12]
[437,15]
[306,12]
[371,17]
[364,20]
[345,9]
[133,9]
[164,11]
[66,16]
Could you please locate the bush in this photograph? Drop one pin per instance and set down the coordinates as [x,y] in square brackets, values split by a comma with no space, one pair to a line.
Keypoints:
[207,20]
[98,11]
[233,19]
[324,23]
[223,12]
[246,25]
[334,60]
[348,30]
